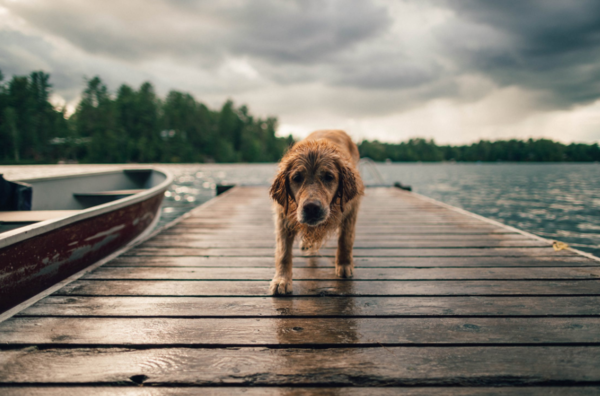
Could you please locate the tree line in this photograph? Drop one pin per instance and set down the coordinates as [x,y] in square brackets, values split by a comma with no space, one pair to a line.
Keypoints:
[137,126]
[128,126]
[540,150]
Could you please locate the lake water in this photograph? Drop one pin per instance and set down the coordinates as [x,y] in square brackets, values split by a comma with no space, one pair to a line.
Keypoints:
[555,201]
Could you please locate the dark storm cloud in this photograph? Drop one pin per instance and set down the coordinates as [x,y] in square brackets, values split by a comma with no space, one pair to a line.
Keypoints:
[551,46]
[111,30]
[548,45]
[290,31]
[288,42]
[304,31]
[21,54]
[387,75]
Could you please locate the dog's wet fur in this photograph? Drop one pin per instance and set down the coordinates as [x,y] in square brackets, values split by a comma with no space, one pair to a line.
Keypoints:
[317,191]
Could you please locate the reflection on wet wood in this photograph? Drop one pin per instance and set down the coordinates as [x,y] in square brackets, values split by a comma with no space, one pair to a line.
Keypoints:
[441,302]
[380,230]
[382,252]
[333,288]
[302,391]
[366,274]
[250,238]
[359,244]
[359,262]
[300,331]
[316,307]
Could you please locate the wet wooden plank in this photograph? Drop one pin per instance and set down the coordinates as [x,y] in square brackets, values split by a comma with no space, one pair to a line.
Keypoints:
[426,275]
[303,391]
[400,366]
[304,332]
[369,206]
[382,230]
[267,226]
[256,214]
[328,252]
[359,244]
[264,217]
[363,274]
[334,288]
[359,262]
[317,307]
[267,221]
[361,238]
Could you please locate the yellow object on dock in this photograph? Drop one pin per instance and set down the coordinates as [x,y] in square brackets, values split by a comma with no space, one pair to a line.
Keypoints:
[558,246]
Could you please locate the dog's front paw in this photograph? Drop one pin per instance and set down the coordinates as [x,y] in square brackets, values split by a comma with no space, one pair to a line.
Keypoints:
[280,285]
[344,271]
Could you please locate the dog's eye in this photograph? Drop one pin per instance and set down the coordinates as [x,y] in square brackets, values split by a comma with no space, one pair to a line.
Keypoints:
[297,178]
[327,177]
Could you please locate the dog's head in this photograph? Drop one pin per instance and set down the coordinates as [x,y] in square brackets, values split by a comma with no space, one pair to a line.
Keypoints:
[315,177]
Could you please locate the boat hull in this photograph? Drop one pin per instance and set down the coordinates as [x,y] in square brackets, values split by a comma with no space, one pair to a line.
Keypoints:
[34,264]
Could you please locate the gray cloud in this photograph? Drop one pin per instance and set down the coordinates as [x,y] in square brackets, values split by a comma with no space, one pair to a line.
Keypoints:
[548,45]
[21,54]
[304,32]
[290,32]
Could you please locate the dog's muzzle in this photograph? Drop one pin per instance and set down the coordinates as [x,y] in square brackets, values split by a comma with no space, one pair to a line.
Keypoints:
[312,213]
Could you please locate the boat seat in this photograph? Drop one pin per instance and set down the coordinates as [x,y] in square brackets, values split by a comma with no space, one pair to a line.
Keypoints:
[89,199]
[108,193]
[30,216]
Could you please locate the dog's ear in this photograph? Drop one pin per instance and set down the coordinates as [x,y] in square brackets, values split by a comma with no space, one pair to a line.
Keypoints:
[280,189]
[347,187]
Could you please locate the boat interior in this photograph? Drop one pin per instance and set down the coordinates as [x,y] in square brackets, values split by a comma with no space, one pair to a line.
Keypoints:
[25,202]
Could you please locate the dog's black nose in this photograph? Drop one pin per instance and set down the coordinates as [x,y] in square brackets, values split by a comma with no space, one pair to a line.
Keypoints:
[312,212]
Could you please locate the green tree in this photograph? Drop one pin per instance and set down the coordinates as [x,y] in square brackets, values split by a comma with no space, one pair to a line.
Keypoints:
[96,122]
[10,120]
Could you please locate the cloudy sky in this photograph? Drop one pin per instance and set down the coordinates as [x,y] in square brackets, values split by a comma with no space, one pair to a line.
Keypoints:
[453,70]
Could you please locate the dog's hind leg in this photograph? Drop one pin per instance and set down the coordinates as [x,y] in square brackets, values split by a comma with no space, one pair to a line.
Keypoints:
[282,281]
[344,264]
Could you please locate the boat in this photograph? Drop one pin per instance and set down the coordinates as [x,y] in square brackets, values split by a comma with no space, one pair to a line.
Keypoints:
[52,228]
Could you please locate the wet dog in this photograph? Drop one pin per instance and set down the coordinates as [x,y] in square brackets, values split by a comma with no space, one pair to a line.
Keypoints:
[317,191]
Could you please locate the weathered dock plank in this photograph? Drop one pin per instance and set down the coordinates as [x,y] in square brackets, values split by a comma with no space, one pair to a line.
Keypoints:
[382,366]
[480,243]
[381,252]
[334,288]
[223,307]
[359,262]
[416,229]
[300,332]
[442,302]
[299,391]
[365,274]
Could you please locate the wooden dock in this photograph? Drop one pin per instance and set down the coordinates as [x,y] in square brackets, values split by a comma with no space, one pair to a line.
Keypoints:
[442,302]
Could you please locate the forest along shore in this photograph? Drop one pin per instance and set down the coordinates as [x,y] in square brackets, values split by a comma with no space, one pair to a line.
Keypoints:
[136,125]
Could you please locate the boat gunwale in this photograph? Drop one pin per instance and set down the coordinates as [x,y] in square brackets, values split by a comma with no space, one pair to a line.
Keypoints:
[20,234]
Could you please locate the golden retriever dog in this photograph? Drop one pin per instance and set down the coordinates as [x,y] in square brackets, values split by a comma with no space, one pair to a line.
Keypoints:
[317,191]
